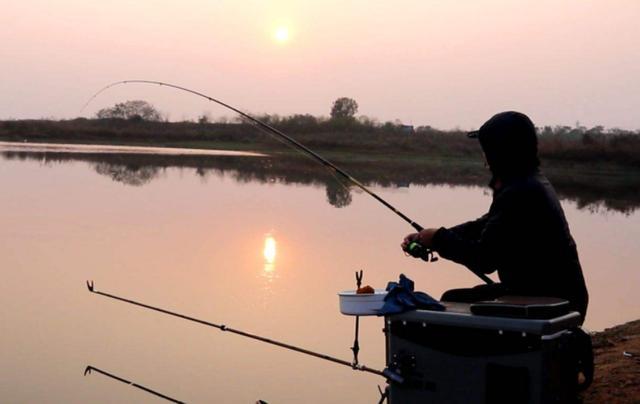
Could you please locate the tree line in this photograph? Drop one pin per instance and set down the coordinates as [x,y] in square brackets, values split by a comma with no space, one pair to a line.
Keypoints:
[343,131]
[342,116]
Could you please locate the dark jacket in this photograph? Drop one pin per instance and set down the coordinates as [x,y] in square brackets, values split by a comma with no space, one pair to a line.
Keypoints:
[526,238]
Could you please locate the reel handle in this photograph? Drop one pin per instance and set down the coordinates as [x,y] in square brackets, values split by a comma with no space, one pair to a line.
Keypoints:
[417,250]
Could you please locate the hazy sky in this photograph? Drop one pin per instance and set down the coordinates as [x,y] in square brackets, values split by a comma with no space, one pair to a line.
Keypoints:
[442,63]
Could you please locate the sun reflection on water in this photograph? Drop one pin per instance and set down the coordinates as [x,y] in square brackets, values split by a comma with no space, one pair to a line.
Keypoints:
[269,251]
[269,269]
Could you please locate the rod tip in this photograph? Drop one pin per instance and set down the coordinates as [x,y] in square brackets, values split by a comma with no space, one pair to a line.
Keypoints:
[90,286]
[87,370]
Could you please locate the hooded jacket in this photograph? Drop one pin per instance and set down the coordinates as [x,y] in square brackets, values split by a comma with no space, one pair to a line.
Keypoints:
[525,235]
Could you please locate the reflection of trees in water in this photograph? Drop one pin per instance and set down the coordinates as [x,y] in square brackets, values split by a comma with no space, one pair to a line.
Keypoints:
[126,174]
[596,204]
[587,188]
[338,194]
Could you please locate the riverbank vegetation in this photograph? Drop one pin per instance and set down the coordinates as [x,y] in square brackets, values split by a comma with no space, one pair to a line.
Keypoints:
[363,137]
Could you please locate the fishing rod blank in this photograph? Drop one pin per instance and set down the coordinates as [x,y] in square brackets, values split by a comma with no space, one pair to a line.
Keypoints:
[386,373]
[414,249]
[90,368]
[273,131]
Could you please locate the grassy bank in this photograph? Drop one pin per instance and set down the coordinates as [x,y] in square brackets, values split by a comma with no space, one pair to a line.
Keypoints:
[349,139]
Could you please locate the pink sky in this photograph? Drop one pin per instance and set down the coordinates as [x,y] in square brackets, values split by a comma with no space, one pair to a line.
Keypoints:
[441,63]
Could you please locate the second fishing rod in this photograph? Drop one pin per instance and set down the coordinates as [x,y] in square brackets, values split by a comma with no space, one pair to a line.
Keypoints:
[387,373]
[414,249]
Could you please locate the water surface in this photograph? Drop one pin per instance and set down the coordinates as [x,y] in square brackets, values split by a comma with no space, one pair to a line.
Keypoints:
[191,237]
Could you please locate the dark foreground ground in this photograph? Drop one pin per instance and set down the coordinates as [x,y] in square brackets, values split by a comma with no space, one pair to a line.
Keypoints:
[617,360]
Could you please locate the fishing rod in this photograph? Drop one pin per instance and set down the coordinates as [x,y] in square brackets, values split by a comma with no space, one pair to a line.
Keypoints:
[386,373]
[90,368]
[414,248]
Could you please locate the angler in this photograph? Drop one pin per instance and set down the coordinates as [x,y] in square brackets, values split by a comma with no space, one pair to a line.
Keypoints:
[514,341]
[524,236]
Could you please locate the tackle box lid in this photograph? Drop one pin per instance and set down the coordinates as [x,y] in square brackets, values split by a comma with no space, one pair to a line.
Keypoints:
[531,307]
[460,315]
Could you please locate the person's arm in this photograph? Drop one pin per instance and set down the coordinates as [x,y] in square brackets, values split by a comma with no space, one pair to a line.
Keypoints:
[472,229]
[468,230]
[480,254]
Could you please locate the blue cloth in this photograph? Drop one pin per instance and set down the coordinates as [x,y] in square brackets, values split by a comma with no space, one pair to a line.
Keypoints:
[401,298]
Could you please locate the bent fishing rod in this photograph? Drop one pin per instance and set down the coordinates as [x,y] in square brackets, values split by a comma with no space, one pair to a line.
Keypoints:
[414,249]
[89,369]
[386,373]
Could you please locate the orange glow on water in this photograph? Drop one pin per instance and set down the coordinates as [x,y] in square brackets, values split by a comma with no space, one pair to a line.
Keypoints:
[269,251]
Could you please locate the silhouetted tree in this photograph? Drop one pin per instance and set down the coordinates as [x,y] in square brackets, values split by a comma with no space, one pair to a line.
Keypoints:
[132,110]
[344,108]
[204,118]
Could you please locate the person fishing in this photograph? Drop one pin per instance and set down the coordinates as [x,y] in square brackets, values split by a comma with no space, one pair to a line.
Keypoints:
[524,236]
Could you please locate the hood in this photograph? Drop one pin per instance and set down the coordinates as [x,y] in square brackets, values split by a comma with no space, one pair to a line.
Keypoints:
[510,144]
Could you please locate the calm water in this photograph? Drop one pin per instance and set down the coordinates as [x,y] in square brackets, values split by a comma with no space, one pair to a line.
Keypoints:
[193,241]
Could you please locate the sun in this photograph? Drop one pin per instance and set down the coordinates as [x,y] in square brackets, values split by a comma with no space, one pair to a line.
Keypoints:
[281,34]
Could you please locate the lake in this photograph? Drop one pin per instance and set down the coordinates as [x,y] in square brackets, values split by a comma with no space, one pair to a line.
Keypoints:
[187,232]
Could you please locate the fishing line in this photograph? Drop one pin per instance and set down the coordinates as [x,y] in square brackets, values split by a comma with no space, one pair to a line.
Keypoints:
[414,249]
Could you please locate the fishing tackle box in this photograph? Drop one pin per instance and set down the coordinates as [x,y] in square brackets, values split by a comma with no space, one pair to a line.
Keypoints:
[455,356]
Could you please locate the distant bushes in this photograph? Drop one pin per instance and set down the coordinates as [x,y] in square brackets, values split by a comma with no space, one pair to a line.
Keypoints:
[595,144]
[135,110]
[363,134]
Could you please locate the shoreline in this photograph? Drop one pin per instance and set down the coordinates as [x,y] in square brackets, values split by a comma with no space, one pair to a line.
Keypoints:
[338,154]
[617,365]
[120,149]
[562,146]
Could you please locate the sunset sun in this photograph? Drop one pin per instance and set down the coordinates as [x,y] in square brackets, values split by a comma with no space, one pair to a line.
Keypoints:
[281,34]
